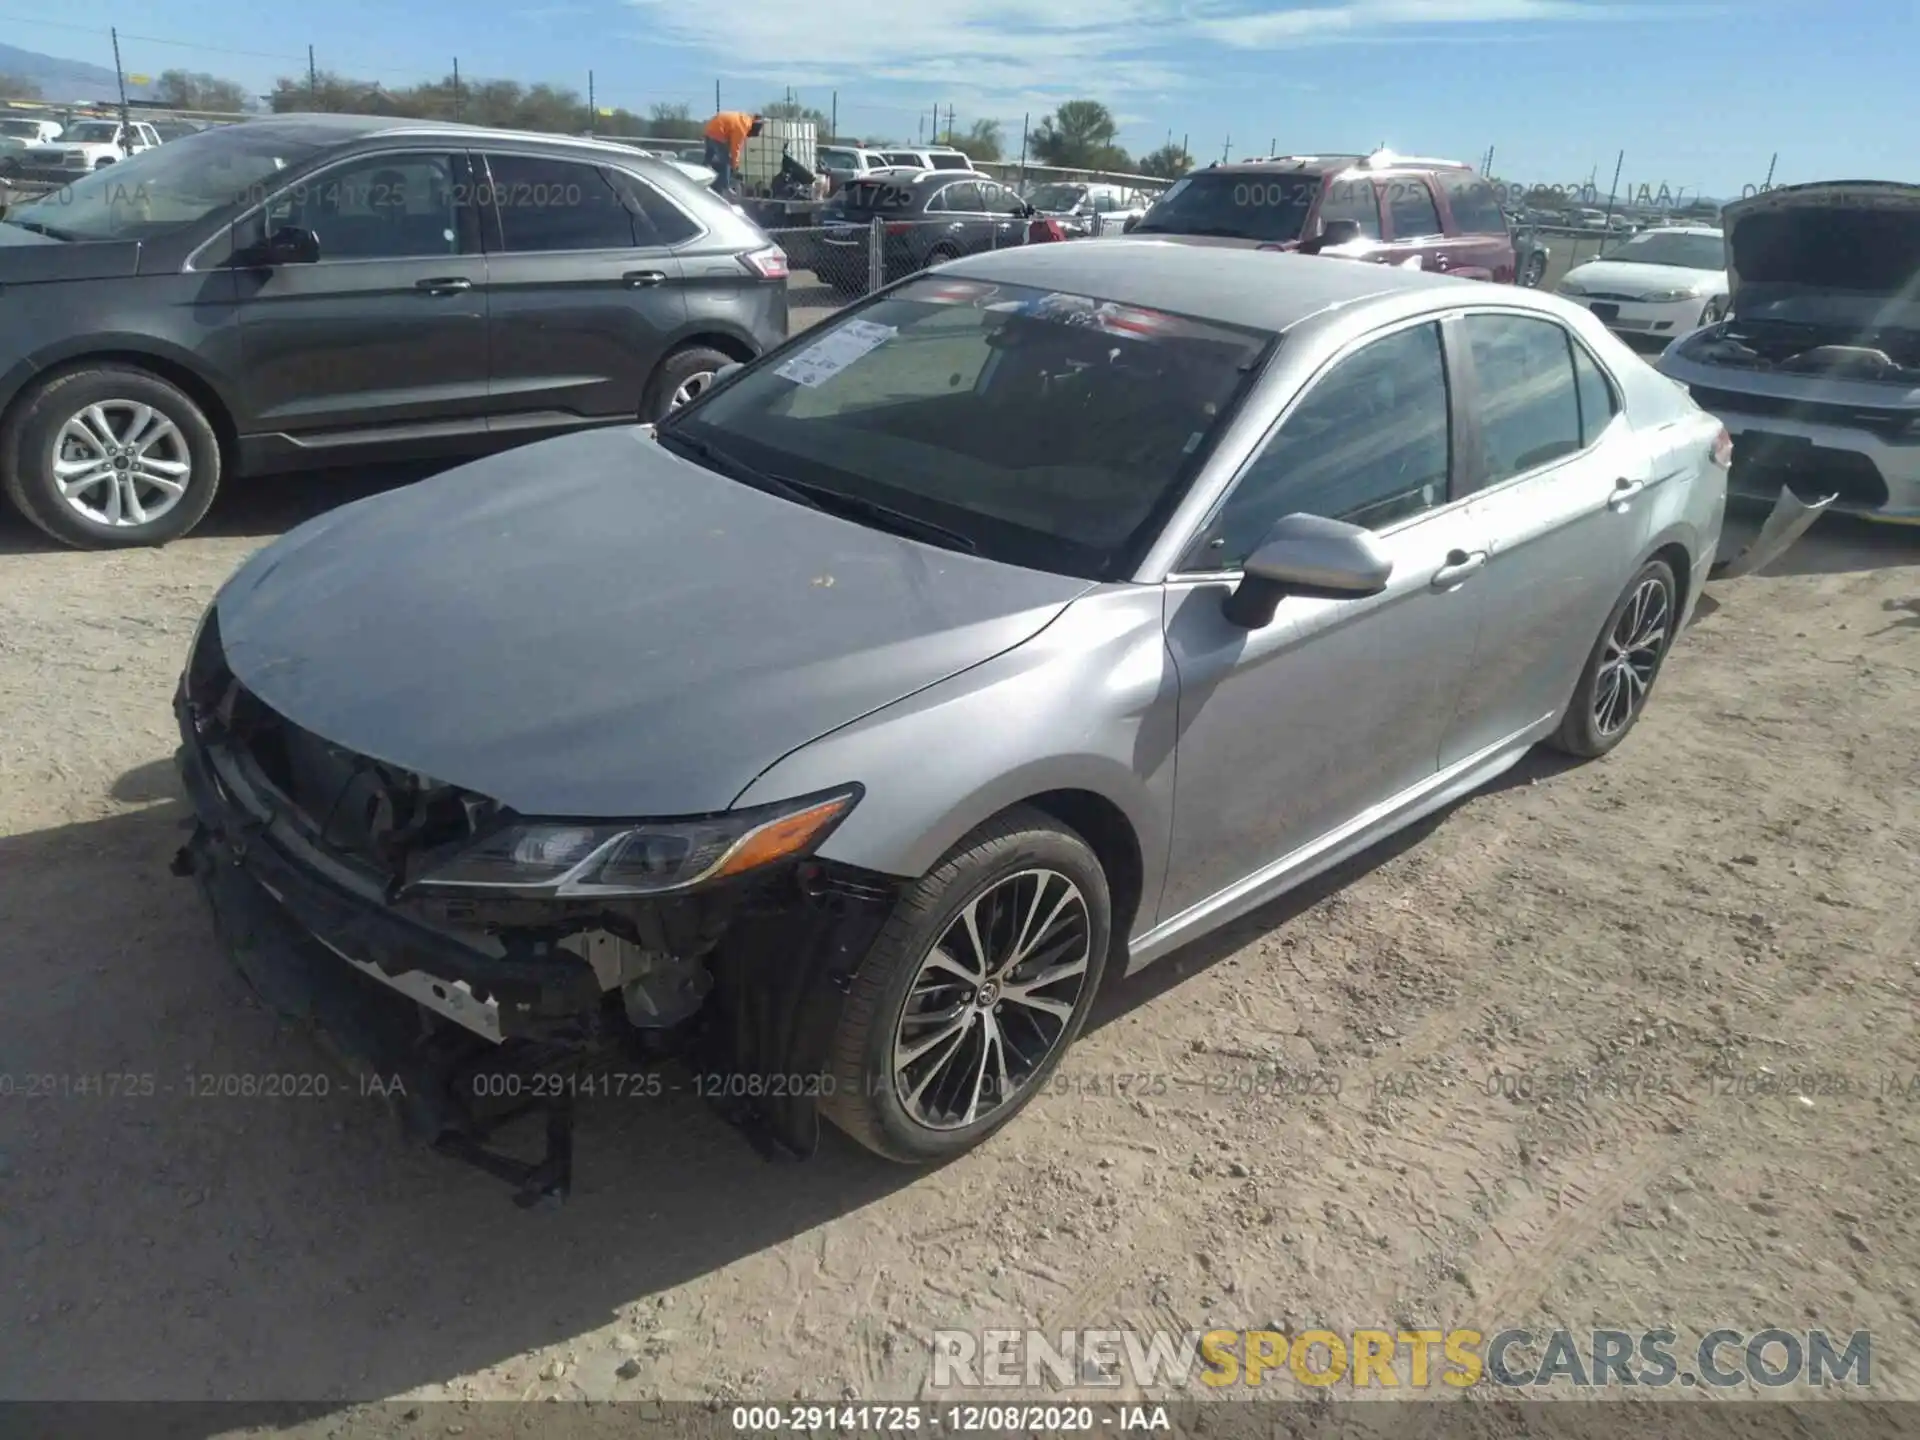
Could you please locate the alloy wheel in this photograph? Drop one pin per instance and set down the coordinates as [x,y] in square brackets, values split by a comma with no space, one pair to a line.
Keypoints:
[992,999]
[121,463]
[1634,647]
[690,389]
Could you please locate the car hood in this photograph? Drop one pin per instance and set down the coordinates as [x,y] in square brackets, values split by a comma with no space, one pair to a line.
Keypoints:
[1858,238]
[1624,277]
[591,626]
[28,258]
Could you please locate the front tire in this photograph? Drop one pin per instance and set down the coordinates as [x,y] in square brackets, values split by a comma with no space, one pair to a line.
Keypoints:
[980,980]
[1534,271]
[1623,665]
[110,456]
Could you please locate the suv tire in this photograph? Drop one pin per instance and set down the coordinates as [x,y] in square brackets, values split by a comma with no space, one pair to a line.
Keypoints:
[682,377]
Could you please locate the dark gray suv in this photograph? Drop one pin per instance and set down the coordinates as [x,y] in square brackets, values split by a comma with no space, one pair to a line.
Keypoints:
[314,290]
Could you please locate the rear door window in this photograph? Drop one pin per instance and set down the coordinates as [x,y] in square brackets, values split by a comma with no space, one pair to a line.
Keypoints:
[1410,208]
[547,205]
[1529,398]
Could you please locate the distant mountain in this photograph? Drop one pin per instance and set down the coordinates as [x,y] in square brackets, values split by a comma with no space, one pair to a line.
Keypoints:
[66,80]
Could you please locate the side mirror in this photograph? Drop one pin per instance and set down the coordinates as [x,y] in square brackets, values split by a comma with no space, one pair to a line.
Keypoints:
[1310,556]
[1332,236]
[291,245]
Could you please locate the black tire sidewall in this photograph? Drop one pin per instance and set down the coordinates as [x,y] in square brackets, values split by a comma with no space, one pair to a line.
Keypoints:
[1037,847]
[1580,735]
[674,371]
[30,443]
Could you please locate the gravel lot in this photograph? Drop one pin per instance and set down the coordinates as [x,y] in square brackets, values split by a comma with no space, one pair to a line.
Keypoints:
[1732,891]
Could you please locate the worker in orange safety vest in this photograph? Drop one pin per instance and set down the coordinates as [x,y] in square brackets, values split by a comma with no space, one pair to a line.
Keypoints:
[727,135]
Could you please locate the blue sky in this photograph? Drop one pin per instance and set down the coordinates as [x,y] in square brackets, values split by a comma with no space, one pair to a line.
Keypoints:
[1696,94]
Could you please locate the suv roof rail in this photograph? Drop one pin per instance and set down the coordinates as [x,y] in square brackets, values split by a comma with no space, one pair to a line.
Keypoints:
[1384,157]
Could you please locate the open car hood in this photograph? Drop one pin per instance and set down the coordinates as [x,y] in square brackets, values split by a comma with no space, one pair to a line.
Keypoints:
[592,626]
[1854,238]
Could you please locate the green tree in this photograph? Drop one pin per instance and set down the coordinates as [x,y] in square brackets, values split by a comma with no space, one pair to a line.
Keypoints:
[982,141]
[794,110]
[1079,135]
[1169,162]
[196,90]
[18,87]
[332,94]
[671,122]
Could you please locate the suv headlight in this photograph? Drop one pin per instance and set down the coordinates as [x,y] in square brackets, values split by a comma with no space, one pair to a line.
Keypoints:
[568,858]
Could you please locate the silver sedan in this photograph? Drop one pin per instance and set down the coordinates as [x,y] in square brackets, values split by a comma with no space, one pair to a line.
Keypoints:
[1010,630]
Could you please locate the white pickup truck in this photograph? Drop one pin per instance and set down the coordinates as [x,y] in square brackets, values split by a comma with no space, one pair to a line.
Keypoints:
[84,147]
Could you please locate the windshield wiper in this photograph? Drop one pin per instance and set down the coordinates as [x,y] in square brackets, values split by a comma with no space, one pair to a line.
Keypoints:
[39,229]
[856,507]
[820,497]
[732,465]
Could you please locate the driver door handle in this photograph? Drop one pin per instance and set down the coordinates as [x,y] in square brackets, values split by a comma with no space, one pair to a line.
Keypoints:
[640,279]
[1623,492]
[445,285]
[1460,565]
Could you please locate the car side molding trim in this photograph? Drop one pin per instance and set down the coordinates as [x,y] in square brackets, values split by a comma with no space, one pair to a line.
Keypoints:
[1461,778]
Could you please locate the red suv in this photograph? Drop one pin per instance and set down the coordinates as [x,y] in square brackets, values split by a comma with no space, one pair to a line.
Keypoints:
[1386,208]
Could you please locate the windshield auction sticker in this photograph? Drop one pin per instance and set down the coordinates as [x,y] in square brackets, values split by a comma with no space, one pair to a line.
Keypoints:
[834,352]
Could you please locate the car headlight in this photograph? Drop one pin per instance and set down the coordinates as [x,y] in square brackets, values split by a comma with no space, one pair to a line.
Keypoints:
[568,858]
[1571,286]
[1665,297]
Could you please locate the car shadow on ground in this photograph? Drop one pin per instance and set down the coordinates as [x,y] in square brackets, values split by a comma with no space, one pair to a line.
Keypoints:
[287,1248]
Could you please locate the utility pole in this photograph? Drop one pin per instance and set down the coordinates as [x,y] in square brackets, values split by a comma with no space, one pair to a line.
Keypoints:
[833,119]
[716,96]
[313,79]
[126,120]
[457,106]
[1226,150]
[1768,184]
[1273,146]
[949,124]
[593,112]
[1622,160]
[1025,120]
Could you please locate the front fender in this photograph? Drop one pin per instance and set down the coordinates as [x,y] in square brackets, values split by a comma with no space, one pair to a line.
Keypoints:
[1090,704]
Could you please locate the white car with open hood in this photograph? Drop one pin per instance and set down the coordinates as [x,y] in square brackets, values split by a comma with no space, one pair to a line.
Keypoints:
[1816,369]
[1658,285]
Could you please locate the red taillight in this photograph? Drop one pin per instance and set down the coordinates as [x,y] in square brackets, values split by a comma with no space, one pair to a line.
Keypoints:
[768,264]
[900,227]
[1723,448]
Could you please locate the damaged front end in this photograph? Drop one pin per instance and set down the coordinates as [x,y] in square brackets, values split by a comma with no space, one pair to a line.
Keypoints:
[480,967]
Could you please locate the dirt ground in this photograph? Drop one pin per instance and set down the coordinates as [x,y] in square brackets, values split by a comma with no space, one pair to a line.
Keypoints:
[1731,893]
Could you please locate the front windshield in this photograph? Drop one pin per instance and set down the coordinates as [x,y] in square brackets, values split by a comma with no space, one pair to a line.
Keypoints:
[179,183]
[93,132]
[1057,198]
[1244,205]
[1665,247]
[1046,430]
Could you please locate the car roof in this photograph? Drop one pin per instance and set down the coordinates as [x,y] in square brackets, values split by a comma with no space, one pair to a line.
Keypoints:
[1264,289]
[329,129]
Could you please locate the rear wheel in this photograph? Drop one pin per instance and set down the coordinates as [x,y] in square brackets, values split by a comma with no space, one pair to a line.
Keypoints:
[682,378]
[110,456]
[1623,665]
[975,988]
